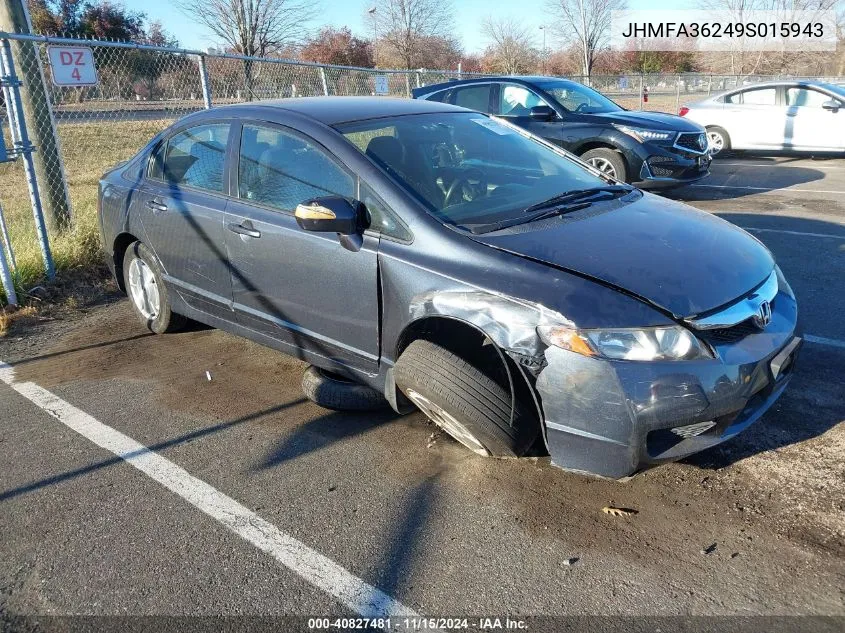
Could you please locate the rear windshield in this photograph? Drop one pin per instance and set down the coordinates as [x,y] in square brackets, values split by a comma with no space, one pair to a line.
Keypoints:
[466,168]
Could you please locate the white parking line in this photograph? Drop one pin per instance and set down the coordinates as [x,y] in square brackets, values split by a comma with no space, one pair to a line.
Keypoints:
[771,165]
[768,189]
[754,228]
[320,571]
[823,340]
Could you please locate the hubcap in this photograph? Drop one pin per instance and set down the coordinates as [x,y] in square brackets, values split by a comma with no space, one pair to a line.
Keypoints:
[717,142]
[143,289]
[603,165]
[447,422]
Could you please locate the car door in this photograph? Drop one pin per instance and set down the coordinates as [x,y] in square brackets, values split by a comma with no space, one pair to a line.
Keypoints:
[181,208]
[809,125]
[514,103]
[303,289]
[755,118]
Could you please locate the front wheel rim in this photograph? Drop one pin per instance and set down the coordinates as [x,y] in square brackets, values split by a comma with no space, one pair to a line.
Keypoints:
[447,422]
[143,289]
[603,165]
[717,142]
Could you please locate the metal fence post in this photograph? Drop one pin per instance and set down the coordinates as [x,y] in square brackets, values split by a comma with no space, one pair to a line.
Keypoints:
[323,79]
[206,88]
[25,148]
[678,93]
[641,91]
[408,84]
[6,277]
[417,75]
[4,229]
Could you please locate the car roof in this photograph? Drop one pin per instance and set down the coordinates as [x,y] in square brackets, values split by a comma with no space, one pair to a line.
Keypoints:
[334,110]
[774,83]
[522,79]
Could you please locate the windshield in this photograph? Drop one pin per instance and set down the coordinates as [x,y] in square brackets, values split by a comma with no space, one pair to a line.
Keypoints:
[577,98]
[466,168]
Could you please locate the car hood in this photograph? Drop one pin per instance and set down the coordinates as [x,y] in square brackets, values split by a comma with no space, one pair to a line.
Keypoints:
[677,258]
[651,121]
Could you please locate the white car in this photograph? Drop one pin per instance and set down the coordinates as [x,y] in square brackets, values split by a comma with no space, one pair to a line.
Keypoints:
[780,115]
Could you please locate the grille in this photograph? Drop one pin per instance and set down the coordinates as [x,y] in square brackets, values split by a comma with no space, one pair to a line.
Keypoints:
[694,142]
[729,334]
[661,171]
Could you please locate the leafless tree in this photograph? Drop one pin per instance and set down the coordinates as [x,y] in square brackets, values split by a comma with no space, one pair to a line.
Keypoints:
[405,25]
[509,45]
[256,28]
[585,23]
[743,60]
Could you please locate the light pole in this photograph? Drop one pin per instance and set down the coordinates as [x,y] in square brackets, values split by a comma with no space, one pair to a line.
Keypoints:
[543,29]
[372,12]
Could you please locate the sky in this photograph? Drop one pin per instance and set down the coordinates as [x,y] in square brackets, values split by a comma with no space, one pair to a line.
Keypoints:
[353,14]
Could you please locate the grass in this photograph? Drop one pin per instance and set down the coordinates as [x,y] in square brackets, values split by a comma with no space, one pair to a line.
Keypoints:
[88,149]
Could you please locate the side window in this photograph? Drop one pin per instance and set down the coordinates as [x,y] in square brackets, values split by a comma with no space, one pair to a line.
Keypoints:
[439,96]
[517,100]
[281,170]
[473,97]
[382,219]
[806,97]
[194,157]
[759,96]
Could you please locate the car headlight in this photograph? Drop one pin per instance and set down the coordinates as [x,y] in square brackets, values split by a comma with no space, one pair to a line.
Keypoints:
[646,344]
[645,135]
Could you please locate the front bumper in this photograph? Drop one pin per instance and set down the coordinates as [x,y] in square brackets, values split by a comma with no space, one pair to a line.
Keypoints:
[663,166]
[614,418]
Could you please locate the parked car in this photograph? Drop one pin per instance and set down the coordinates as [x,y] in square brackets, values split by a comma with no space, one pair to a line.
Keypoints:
[782,116]
[651,149]
[433,257]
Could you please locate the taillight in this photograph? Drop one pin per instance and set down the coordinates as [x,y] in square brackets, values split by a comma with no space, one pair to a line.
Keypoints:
[683,111]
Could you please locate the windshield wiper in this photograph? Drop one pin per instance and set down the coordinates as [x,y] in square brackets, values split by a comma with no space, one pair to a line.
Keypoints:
[578,194]
[559,209]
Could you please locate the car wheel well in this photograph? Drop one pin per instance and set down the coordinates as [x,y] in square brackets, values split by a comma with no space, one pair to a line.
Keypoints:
[121,243]
[586,147]
[472,345]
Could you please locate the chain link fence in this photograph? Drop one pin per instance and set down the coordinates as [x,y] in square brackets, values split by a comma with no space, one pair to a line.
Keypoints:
[82,131]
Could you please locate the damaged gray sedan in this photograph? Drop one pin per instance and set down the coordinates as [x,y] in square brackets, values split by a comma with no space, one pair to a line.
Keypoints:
[440,259]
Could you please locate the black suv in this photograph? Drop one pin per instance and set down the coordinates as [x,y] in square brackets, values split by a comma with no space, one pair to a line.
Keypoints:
[651,149]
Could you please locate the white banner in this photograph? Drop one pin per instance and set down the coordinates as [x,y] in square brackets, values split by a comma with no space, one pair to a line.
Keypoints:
[723,30]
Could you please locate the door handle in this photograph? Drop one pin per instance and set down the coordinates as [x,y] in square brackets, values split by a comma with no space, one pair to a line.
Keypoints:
[158,207]
[240,229]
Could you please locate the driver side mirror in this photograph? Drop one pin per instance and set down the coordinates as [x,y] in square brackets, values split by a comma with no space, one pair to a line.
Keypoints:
[331,214]
[542,113]
[833,105]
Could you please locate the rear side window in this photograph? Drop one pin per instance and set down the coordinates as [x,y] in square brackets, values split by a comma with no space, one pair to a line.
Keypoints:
[757,96]
[473,97]
[281,170]
[194,158]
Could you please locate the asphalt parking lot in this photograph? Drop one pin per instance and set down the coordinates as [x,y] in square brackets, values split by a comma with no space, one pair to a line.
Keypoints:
[132,484]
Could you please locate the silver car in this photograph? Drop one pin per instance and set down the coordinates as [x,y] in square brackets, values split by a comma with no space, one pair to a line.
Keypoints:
[781,115]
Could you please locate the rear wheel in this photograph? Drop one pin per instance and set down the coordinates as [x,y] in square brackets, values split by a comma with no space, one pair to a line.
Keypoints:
[608,161]
[463,401]
[720,142]
[147,293]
